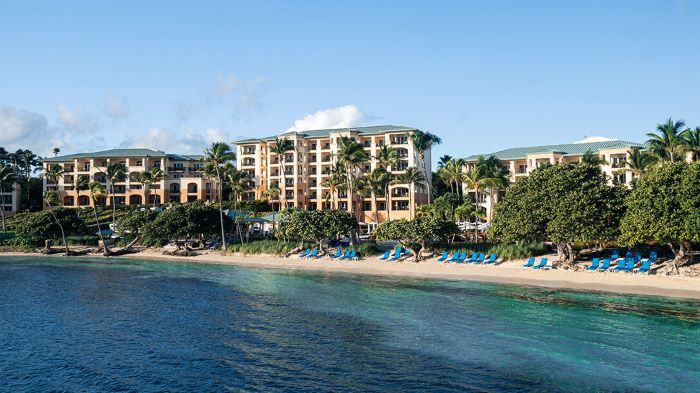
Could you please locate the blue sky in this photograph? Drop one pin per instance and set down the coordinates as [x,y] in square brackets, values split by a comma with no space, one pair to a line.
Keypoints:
[483,75]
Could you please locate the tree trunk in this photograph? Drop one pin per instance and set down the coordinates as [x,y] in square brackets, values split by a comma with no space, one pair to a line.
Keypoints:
[427,179]
[682,257]
[221,210]
[99,232]
[565,253]
[476,216]
[114,207]
[63,234]
[2,209]
[376,208]
[284,184]
[387,196]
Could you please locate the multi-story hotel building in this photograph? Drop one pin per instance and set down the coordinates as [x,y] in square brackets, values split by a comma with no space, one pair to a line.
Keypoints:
[307,168]
[9,199]
[184,180]
[520,161]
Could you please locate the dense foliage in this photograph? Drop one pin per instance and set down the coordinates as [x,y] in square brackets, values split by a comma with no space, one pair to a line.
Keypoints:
[34,228]
[187,220]
[315,225]
[418,233]
[562,203]
[664,207]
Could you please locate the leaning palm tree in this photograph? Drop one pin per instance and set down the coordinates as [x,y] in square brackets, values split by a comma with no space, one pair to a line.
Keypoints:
[97,191]
[272,193]
[7,179]
[80,183]
[387,158]
[240,183]
[415,179]
[479,181]
[157,176]
[692,142]
[375,183]
[53,173]
[51,199]
[350,156]
[422,142]
[639,161]
[114,173]
[335,183]
[668,144]
[281,147]
[217,155]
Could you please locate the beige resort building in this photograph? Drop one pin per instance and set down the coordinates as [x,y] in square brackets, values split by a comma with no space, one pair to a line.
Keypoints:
[520,161]
[9,200]
[184,181]
[307,167]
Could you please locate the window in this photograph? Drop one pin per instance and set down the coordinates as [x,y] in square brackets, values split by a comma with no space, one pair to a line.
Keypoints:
[381,143]
[313,195]
[178,166]
[139,163]
[86,167]
[619,177]
[313,146]
[289,182]
[343,206]
[381,206]
[400,166]
[366,206]
[156,164]
[522,168]
[400,205]
[6,199]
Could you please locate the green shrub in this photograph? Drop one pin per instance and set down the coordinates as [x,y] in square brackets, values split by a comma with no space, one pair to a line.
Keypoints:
[365,249]
[503,250]
[272,247]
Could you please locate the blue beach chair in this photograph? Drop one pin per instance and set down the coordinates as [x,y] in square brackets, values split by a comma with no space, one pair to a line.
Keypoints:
[385,256]
[397,254]
[337,254]
[646,265]
[443,256]
[352,256]
[629,266]
[346,255]
[313,254]
[492,259]
[480,258]
[462,258]
[455,257]
[543,263]
[529,264]
[594,265]
[605,265]
[620,265]
[615,255]
[305,253]
[472,258]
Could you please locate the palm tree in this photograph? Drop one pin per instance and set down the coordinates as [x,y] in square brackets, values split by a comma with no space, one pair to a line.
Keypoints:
[479,180]
[422,142]
[375,184]
[217,156]
[639,161]
[52,173]
[387,158]
[144,177]
[350,156]
[56,151]
[451,174]
[239,182]
[97,191]
[444,160]
[668,144]
[414,178]
[7,179]
[491,168]
[692,141]
[51,199]
[336,182]
[114,173]
[272,193]
[157,175]
[80,183]
[281,147]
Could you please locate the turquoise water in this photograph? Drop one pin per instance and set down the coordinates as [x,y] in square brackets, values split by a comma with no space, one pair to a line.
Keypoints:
[91,325]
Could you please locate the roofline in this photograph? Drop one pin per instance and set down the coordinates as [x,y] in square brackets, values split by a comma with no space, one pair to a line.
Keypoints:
[329,130]
[475,157]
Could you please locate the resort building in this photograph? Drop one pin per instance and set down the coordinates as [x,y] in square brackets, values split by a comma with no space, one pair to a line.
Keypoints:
[308,165]
[184,180]
[520,161]
[9,200]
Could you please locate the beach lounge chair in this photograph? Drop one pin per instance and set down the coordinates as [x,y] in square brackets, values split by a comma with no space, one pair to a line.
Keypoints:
[305,253]
[443,256]
[345,256]
[529,263]
[543,263]
[471,258]
[462,258]
[480,258]
[313,254]
[646,265]
[385,256]
[338,254]
[620,265]
[353,256]
[594,265]
[615,255]
[397,254]
[492,259]
[455,257]
[605,265]
[629,266]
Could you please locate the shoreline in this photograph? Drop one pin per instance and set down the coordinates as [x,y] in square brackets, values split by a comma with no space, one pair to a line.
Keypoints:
[503,273]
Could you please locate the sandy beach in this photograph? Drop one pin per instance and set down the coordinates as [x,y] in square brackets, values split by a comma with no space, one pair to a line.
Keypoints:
[507,272]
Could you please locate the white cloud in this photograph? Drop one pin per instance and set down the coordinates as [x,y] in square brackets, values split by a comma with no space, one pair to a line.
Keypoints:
[115,107]
[76,120]
[340,117]
[242,96]
[173,141]
[19,127]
